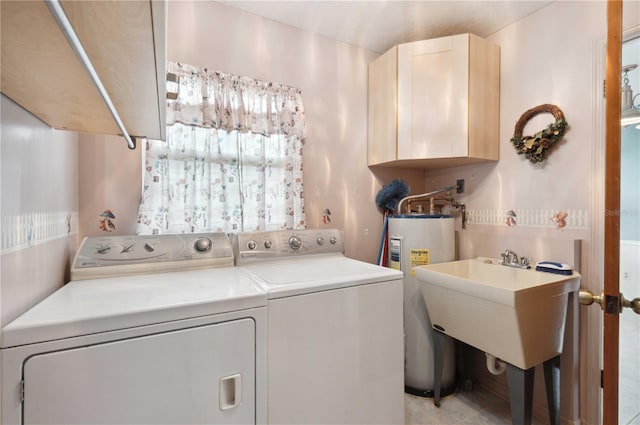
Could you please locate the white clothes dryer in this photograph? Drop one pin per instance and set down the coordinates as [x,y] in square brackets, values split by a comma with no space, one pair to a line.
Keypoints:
[184,346]
[334,329]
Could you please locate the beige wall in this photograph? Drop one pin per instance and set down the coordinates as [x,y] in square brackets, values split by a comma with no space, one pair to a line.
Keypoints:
[555,55]
[39,184]
[110,178]
[333,80]
[38,210]
[539,67]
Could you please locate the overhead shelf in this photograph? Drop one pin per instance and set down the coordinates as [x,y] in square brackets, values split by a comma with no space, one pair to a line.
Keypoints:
[125,42]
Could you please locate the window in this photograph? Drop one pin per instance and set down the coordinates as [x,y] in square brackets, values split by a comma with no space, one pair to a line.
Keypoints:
[232,161]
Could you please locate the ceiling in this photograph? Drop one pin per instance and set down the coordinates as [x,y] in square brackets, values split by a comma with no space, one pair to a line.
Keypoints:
[378,25]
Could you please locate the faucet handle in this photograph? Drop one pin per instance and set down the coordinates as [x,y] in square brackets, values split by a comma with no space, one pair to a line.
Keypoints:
[510,257]
[524,262]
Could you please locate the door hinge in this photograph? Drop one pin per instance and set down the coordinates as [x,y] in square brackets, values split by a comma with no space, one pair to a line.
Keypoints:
[601,378]
[21,391]
[604,88]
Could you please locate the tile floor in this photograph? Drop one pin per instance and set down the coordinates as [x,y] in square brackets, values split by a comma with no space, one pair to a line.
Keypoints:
[477,407]
[481,407]
[629,410]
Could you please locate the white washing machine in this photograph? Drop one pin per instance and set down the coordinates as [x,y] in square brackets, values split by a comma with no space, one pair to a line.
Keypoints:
[183,346]
[334,329]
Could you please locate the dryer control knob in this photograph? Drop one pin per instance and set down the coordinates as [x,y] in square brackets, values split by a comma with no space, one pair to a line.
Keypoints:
[320,240]
[333,240]
[295,242]
[203,244]
[103,249]
[252,245]
[267,244]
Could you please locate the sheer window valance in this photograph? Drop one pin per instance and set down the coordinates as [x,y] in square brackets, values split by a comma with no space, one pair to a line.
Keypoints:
[232,160]
[230,102]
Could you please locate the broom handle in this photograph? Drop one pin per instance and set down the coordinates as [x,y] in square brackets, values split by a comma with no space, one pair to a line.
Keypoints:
[383,240]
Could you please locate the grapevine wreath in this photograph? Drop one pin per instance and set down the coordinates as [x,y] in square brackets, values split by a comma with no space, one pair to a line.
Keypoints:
[536,147]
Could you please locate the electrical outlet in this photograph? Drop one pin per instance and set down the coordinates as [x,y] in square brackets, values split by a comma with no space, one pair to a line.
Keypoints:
[366,231]
[460,184]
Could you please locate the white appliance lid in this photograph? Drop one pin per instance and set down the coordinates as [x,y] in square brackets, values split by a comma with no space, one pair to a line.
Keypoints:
[314,273]
[91,306]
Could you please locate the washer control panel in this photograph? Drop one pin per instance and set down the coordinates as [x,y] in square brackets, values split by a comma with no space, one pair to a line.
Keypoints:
[108,256]
[251,246]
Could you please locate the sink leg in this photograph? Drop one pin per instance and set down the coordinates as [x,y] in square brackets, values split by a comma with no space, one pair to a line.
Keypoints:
[520,394]
[552,384]
[465,361]
[439,340]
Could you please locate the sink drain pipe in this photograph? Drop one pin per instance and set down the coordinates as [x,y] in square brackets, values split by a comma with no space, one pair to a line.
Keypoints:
[495,365]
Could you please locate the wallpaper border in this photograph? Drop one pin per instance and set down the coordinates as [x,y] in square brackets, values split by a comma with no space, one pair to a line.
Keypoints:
[22,231]
[571,219]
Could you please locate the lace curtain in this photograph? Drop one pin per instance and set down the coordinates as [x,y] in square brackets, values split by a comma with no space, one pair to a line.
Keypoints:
[232,161]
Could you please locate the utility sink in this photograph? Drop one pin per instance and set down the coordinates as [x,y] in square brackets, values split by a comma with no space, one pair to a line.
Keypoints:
[517,315]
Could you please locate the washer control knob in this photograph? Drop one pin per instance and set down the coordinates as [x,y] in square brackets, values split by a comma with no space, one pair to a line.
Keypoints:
[320,240]
[295,242]
[333,240]
[252,245]
[203,245]
[267,244]
[127,248]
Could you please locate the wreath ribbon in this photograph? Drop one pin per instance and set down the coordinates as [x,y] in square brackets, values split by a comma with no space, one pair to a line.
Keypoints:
[535,148]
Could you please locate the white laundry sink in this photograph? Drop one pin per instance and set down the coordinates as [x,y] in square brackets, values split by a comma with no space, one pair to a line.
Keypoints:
[514,314]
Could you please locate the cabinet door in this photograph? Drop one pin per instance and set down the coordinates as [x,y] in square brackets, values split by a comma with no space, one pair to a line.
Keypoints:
[433,95]
[191,376]
[383,104]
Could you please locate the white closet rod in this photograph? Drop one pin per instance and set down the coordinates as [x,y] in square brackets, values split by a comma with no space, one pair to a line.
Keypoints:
[63,22]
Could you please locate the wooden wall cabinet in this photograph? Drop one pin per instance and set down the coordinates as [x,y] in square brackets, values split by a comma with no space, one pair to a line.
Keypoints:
[125,41]
[435,103]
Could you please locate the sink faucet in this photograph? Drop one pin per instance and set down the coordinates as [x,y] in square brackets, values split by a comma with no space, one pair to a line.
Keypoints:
[510,258]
